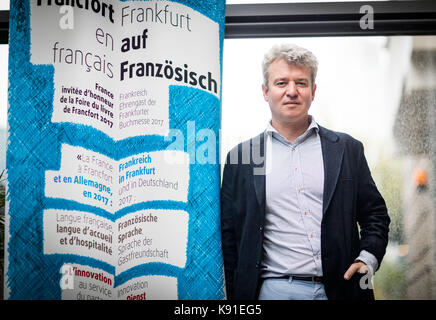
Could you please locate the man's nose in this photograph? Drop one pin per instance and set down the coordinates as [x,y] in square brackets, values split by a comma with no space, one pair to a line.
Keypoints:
[292,89]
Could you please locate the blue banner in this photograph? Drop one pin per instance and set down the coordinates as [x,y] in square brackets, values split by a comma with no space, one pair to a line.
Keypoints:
[113,151]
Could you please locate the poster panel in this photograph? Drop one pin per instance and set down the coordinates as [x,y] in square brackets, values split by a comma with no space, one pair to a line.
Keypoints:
[113,150]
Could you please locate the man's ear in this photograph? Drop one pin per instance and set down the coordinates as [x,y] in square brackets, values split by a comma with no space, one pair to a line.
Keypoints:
[265,93]
[313,91]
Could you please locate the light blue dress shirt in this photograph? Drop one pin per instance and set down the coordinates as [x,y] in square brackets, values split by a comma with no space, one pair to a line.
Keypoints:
[294,202]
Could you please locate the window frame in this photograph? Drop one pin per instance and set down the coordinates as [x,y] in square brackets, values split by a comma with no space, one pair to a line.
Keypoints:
[317,19]
[329,19]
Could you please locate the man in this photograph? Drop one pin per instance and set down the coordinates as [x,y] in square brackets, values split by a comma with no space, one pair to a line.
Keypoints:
[292,199]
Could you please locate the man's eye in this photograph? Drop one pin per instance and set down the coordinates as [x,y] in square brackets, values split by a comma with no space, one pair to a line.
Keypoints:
[302,83]
[281,83]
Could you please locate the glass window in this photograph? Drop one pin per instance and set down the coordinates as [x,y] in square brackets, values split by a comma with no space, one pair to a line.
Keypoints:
[382,91]
[354,76]
[4,5]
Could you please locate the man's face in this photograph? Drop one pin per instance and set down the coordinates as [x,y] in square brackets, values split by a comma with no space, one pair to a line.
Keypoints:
[289,92]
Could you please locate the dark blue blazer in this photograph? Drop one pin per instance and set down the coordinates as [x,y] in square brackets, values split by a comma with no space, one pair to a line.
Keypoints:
[350,199]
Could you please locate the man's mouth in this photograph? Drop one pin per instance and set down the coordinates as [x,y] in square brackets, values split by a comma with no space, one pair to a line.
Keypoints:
[291,103]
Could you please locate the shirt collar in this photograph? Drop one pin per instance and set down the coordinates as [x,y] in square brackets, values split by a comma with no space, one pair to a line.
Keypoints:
[313,126]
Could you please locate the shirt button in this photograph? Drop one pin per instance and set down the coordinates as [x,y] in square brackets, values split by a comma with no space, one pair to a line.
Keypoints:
[261,228]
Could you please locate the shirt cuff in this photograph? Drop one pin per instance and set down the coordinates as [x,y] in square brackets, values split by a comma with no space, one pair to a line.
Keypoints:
[369,259]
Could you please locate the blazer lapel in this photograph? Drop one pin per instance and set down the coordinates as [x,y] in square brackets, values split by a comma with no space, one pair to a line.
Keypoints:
[258,164]
[332,152]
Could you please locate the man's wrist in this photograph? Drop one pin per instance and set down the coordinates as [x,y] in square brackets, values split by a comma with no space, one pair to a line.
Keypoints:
[369,259]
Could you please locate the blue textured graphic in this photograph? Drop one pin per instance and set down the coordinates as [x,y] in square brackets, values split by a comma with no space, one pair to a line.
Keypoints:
[34,147]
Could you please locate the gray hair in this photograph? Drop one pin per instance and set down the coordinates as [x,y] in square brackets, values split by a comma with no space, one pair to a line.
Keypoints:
[292,54]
